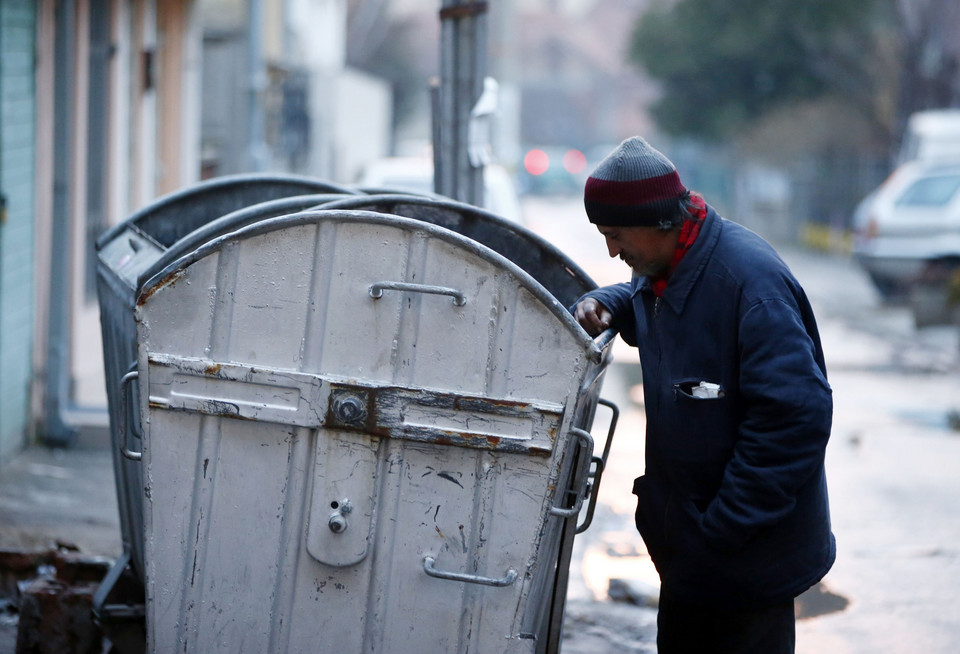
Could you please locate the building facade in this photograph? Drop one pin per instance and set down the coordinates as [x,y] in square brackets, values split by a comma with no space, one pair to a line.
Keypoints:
[99,114]
[17,129]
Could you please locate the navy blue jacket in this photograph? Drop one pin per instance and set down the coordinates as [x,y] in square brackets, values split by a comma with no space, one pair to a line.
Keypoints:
[733,501]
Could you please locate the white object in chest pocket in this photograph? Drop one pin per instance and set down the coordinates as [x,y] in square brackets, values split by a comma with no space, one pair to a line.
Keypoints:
[703,390]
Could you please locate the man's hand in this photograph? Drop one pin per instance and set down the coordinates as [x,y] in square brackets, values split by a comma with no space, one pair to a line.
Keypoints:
[593,316]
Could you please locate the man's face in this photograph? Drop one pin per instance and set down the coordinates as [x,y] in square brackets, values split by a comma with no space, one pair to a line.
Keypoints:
[648,250]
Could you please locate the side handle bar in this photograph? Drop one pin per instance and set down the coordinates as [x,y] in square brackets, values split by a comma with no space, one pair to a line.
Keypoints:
[600,463]
[582,478]
[124,384]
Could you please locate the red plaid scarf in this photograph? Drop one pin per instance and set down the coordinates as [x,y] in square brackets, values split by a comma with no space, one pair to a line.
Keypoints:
[688,234]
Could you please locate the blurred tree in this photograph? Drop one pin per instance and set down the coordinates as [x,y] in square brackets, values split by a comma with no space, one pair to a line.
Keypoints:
[930,55]
[724,65]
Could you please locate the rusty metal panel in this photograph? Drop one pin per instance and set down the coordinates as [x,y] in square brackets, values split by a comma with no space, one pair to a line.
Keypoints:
[301,399]
[357,433]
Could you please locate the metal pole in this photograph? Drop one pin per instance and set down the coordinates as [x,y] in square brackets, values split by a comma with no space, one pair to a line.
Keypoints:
[463,60]
[436,135]
[56,393]
[257,149]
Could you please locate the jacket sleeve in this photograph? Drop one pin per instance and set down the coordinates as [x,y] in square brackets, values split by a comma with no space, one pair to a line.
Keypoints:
[788,408]
[618,298]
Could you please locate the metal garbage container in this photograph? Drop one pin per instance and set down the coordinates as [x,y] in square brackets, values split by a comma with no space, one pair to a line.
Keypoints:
[126,253]
[361,432]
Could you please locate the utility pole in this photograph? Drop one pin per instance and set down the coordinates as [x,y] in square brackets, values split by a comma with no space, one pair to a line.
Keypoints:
[56,393]
[257,79]
[463,62]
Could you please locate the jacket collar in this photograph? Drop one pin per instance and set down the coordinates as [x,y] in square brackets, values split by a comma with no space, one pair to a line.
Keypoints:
[691,267]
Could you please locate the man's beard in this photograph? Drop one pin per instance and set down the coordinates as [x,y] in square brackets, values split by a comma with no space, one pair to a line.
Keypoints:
[649,269]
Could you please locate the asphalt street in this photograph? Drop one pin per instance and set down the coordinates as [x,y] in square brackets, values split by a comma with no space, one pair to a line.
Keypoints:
[891,465]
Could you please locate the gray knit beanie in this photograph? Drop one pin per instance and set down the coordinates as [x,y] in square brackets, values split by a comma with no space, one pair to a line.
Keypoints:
[635,185]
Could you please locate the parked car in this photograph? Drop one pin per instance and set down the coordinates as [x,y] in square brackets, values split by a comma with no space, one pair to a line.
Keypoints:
[415,175]
[908,230]
[932,135]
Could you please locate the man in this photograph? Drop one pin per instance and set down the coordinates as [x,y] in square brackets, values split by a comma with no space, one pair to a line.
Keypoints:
[732,504]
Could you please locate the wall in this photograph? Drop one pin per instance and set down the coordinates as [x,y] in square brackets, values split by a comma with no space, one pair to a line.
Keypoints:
[17,93]
[361,121]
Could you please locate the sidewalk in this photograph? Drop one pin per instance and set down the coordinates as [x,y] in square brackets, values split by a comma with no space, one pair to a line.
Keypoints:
[50,499]
[51,495]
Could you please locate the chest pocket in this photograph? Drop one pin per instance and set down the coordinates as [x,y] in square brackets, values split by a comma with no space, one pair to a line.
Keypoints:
[700,422]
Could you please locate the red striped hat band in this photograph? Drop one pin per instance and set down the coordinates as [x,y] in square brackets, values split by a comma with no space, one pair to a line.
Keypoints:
[634,192]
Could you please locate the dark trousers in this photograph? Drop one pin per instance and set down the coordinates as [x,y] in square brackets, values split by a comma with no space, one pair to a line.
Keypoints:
[685,629]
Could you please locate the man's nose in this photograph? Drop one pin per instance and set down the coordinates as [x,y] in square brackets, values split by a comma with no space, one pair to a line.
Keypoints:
[613,249]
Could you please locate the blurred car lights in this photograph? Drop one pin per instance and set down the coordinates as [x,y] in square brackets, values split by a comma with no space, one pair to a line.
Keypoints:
[536,162]
[553,170]
[574,161]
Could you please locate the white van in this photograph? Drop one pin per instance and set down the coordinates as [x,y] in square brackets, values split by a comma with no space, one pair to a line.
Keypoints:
[932,136]
[913,218]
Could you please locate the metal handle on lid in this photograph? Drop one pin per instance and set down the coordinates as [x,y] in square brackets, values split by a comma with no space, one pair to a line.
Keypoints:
[377,289]
[428,562]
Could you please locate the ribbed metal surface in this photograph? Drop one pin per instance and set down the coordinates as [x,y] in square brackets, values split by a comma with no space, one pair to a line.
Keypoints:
[276,391]
[158,233]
